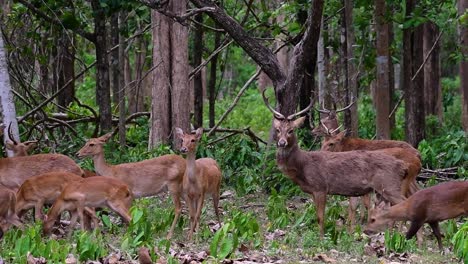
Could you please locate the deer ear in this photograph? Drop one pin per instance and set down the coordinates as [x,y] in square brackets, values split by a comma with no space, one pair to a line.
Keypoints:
[298,122]
[341,135]
[9,145]
[199,132]
[179,132]
[105,137]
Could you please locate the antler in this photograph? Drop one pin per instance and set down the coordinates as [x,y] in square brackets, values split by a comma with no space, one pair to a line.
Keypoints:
[323,110]
[277,114]
[303,111]
[10,135]
[326,111]
[347,107]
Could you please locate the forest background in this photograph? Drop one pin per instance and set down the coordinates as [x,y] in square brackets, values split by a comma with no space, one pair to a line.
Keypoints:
[71,70]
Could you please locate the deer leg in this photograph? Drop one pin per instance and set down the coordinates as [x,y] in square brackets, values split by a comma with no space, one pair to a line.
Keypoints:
[320,199]
[177,211]
[353,203]
[199,210]
[437,234]
[215,197]
[73,220]
[414,227]
[38,210]
[366,201]
[192,211]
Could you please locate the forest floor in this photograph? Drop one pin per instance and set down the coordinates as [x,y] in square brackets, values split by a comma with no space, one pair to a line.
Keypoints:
[297,241]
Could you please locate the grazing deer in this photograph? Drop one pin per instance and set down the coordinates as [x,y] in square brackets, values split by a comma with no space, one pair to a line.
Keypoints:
[42,189]
[90,192]
[202,177]
[15,170]
[319,173]
[19,148]
[432,205]
[145,178]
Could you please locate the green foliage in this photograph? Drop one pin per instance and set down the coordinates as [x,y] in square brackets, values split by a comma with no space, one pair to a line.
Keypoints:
[460,242]
[396,242]
[90,246]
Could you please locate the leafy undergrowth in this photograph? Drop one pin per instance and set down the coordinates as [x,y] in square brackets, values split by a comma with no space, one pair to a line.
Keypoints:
[255,228]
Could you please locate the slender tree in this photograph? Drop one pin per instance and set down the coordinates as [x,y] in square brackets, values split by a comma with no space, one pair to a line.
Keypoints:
[463,38]
[197,79]
[432,85]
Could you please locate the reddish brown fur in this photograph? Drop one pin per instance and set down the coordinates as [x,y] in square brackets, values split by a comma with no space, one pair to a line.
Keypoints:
[20,149]
[42,189]
[202,177]
[14,171]
[444,201]
[91,192]
[89,173]
[7,210]
[145,178]
[353,173]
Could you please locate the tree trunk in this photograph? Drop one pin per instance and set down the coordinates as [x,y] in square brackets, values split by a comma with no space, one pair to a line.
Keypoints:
[161,102]
[7,104]
[391,71]
[414,90]
[432,85]
[44,64]
[463,38]
[66,71]
[382,91]
[351,115]
[102,68]
[180,71]
[323,64]
[136,98]
[115,60]
[212,81]
[121,91]
[197,79]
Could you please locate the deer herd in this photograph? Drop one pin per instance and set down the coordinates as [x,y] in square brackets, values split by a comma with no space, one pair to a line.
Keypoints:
[346,166]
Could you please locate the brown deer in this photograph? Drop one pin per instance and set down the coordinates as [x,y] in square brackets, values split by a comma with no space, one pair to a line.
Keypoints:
[432,205]
[90,192]
[42,189]
[19,148]
[145,178]
[319,173]
[329,122]
[202,177]
[15,170]
[7,210]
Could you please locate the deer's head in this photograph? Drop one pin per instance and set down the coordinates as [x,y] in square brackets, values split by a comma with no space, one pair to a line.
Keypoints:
[334,143]
[329,123]
[189,141]
[94,146]
[285,126]
[19,148]
[378,220]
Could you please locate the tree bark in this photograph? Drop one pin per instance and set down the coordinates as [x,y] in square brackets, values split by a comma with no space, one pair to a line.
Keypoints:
[136,93]
[414,89]
[115,60]
[7,104]
[212,81]
[432,85]
[161,102]
[382,91]
[66,71]
[197,79]
[391,70]
[102,68]
[323,63]
[463,38]
[121,91]
[351,115]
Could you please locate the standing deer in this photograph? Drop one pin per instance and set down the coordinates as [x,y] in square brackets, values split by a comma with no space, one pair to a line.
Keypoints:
[90,192]
[319,173]
[432,205]
[202,177]
[19,148]
[145,178]
[7,210]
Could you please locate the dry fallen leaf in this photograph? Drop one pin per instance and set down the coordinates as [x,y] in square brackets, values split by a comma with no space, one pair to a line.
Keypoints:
[324,258]
[71,259]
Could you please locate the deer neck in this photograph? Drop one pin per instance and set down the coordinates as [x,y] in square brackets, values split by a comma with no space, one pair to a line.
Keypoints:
[398,212]
[191,166]
[283,155]
[102,168]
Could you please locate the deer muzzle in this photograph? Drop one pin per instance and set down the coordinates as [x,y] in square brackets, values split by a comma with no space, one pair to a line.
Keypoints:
[282,143]
[183,150]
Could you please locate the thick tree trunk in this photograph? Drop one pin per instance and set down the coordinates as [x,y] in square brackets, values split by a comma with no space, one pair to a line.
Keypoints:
[323,63]
[463,38]
[66,71]
[414,90]
[136,98]
[432,85]
[7,104]
[391,72]
[161,102]
[212,81]
[115,60]
[102,68]
[197,79]
[351,115]
[382,91]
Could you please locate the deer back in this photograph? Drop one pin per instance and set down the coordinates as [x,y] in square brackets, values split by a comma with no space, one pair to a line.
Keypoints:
[15,170]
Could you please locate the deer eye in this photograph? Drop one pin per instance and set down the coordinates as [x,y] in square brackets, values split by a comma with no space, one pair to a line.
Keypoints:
[372,220]
[277,131]
[290,131]
[91,145]
[193,140]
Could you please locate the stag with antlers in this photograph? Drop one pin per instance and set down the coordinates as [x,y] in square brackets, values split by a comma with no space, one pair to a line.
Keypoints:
[319,173]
